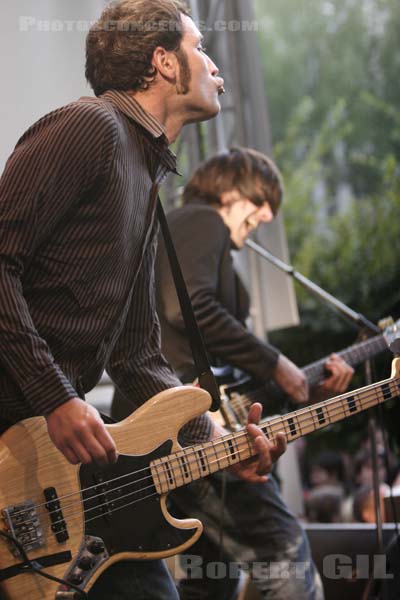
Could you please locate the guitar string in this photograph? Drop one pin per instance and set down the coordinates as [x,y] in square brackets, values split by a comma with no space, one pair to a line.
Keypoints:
[130,503]
[76,515]
[271,423]
[243,401]
[274,423]
[317,365]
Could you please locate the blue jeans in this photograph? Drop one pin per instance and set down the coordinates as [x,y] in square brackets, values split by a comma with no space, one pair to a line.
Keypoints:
[135,580]
[258,531]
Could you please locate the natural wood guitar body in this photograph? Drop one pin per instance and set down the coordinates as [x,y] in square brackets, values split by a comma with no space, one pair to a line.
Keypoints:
[30,463]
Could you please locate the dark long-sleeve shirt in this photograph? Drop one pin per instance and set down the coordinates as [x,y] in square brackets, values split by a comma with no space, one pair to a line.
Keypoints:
[77,246]
[220,301]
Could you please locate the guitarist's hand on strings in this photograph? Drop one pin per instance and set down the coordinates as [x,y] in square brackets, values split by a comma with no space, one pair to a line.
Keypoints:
[78,431]
[338,376]
[291,379]
[254,469]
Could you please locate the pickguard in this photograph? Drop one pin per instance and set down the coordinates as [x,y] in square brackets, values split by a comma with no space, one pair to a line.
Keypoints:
[123,508]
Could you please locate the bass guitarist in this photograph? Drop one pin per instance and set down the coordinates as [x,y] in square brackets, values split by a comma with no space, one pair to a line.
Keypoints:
[78,236]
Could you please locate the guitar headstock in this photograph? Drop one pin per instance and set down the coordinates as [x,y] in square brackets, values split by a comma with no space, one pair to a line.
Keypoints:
[392,336]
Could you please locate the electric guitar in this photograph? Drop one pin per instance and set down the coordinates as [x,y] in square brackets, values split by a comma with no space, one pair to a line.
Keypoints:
[73,521]
[237,396]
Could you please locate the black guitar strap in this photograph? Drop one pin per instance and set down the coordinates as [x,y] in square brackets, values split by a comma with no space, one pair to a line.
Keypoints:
[204,373]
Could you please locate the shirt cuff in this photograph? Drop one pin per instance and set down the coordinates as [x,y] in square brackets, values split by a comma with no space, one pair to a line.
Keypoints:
[48,391]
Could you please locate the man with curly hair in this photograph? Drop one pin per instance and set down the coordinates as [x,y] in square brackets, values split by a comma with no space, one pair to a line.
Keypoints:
[78,236]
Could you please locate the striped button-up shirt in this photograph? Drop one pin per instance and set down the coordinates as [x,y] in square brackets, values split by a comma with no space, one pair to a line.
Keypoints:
[77,244]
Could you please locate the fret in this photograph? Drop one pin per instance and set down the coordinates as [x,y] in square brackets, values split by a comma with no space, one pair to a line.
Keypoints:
[155,474]
[247,441]
[306,421]
[336,409]
[233,451]
[162,469]
[386,392]
[292,427]
[195,466]
[214,465]
[295,415]
[315,425]
[184,467]
[203,464]
[226,448]
[351,404]
[180,467]
[170,477]
[283,421]
[243,445]
[320,415]
[199,461]
[270,433]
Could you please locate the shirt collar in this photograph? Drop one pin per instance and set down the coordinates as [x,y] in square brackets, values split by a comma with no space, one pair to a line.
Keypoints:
[128,105]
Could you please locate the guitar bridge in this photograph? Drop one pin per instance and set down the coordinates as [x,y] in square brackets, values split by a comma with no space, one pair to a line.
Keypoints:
[22,522]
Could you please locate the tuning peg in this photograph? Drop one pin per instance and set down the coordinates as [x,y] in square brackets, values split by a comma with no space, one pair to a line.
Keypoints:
[385,323]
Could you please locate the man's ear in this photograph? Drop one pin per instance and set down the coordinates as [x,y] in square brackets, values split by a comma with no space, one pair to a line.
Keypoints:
[166,63]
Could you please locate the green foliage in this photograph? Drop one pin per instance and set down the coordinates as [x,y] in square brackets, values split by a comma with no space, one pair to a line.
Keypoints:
[333,86]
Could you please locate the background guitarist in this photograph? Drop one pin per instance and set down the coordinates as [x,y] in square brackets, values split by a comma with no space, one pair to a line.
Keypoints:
[226,198]
[77,245]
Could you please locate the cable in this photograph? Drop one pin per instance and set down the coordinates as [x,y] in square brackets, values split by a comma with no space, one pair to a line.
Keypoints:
[28,563]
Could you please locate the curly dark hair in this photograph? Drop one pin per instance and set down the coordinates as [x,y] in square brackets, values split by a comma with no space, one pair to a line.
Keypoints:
[251,173]
[120,45]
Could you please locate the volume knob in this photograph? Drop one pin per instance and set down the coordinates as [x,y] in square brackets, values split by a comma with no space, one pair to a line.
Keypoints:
[76,577]
[86,562]
[96,547]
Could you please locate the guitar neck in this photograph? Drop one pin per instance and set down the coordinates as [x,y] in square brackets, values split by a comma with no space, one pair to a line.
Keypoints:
[198,461]
[353,355]
[314,372]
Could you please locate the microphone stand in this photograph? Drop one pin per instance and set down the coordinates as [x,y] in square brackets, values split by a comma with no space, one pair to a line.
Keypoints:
[360,321]
[364,325]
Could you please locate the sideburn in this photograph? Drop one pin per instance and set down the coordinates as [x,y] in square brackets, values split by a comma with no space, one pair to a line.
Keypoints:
[182,86]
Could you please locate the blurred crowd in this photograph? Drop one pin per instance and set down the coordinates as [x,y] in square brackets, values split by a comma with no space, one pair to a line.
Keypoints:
[339,486]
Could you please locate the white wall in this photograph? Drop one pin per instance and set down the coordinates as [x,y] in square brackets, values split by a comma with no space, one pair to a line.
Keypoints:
[40,69]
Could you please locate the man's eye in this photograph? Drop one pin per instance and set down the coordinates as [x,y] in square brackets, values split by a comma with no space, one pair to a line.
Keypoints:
[202,48]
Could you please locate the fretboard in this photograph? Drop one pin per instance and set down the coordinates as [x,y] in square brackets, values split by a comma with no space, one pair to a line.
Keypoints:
[353,355]
[198,461]
[314,372]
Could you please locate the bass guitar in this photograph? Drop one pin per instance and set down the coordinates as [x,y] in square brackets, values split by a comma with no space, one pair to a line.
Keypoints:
[71,522]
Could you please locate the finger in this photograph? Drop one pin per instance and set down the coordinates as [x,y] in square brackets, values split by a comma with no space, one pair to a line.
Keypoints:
[81,451]
[262,447]
[254,414]
[279,447]
[86,439]
[104,438]
[255,431]
[70,455]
